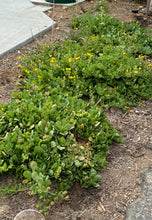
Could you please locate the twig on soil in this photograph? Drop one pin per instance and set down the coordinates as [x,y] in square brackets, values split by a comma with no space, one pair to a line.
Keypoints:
[120,181]
[125,114]
[85,211]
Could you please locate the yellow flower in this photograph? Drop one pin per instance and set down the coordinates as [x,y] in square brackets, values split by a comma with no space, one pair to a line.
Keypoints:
[19,58]
[70,60]
[88,54]
[86,26]
[37,206]
[142,57]
[82,125]
[127,70]
[52,203]
[76,29]
[19,65]
[53,60]
[68,69]
[139,68]
[39,76]
[102,35]
[122,22]
[50,55]
[149,65]
[27,71]
[80,92]
[149,60]
[57,66]
[35,69]
[90,87]
[2,109]
[135,72]
[77,58]
[124,53]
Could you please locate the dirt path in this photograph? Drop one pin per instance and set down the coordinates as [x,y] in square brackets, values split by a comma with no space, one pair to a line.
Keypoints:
[121,181]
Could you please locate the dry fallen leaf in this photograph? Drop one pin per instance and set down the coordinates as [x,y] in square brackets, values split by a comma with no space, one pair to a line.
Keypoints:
[122,217]
[100,209]
[20,76]
[141,6]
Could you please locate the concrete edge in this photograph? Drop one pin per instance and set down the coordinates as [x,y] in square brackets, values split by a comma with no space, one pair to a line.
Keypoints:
[43,8]
[143,194]
[30,39]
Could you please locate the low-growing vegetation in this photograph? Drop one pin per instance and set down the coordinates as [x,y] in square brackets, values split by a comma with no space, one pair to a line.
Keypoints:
[54,132]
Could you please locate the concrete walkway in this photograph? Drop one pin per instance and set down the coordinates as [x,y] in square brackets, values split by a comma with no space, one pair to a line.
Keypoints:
[141,209]
[20,22]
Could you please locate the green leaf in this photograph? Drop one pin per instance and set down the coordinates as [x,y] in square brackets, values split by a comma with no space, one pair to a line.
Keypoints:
[62,140]
[51,172]
[60,147]
[33,165]
[96,178]
[27,174]
[53,144]
[77,163]
[38,150]
[36,177]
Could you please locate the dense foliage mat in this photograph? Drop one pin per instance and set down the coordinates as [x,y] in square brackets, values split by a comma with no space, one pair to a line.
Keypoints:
[55,132]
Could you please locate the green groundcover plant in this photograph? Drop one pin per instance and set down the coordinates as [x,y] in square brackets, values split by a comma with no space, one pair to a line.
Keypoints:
[54,132]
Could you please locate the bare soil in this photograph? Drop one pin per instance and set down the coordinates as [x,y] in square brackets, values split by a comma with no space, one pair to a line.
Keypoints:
[120,182]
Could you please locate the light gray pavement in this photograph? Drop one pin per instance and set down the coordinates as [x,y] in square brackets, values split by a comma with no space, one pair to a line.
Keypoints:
[20,22]
[141,209]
